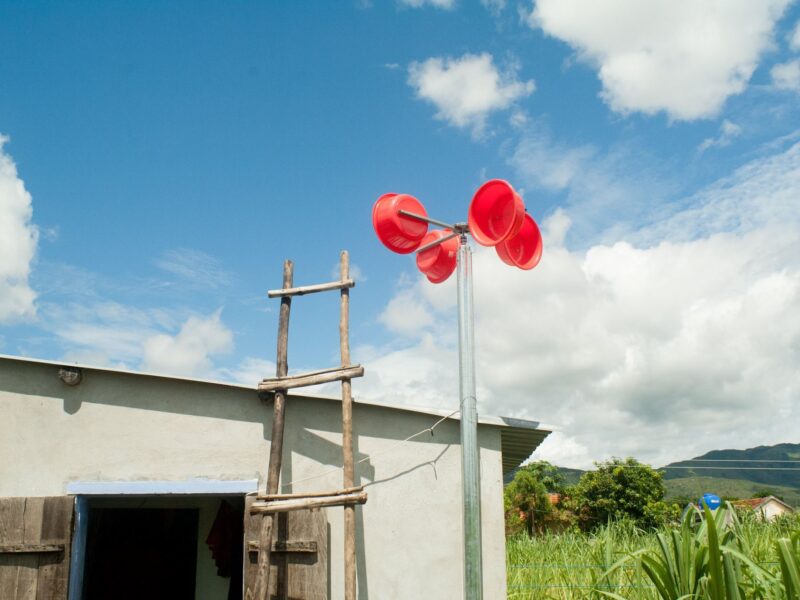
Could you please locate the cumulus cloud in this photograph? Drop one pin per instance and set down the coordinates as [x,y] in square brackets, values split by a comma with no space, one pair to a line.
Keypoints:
[189,351]
[667,342]
[18,241]
[407,313]
[786,76]
[681,57]
[108,333]
[727,132]
[466,90]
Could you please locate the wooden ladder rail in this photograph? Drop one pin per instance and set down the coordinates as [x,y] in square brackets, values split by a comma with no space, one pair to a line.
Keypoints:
[279,385]
[347,433]
[261,591]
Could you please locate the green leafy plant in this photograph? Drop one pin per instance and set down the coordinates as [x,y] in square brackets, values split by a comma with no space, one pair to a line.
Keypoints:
[620,489]
[752,559]
[525,501]
[789,556]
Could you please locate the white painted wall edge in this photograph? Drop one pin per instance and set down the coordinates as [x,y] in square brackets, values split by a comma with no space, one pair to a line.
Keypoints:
[210,487]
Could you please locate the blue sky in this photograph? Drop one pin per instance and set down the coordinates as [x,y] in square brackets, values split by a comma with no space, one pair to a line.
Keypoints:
[160,161]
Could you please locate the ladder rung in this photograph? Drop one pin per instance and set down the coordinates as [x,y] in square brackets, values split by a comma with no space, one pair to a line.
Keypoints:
[313,378]
[309,546]
[269,497]
[310,289]
[306,503]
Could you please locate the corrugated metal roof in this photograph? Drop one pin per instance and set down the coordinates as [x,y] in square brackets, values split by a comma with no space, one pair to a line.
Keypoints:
[517,443]
[518,437]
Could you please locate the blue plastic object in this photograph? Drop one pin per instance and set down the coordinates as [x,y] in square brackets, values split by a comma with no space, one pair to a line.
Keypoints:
[711,500]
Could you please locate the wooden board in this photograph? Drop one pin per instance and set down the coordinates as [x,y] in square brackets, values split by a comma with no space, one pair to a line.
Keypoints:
[300,575]
[27,523]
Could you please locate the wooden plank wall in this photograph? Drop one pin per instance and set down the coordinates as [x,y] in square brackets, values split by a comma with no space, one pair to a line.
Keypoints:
[296,574]
[35,535]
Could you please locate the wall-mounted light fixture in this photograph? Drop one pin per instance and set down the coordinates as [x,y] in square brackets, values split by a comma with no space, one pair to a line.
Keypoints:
[70,375]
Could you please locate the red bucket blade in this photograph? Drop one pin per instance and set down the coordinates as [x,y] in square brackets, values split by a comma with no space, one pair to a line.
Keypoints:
[397,232]
[438,262]
[495,213]
[524,250]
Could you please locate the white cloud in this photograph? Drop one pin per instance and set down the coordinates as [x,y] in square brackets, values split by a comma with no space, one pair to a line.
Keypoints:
[18,241]
[757,195]
[189,352]
[105,331]
[108,333]
[727,132]
[794,39]
[249,372]
[786,76]
[547,164]
[518,119]
[407,313]
[195,267]
[465,90]
[603,190]
[681,57]
[356,273]
[662,344]
[444,4]
[494,6]
[92,358]
[424,374]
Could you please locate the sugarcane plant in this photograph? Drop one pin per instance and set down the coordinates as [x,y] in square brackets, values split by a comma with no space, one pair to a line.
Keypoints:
[712,561]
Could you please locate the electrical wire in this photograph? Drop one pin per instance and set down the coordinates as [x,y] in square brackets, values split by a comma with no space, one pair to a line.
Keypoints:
[738,460]
[370,456]
[735,468]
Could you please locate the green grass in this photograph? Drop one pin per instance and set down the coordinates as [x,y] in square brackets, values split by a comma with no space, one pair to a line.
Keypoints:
[620,561]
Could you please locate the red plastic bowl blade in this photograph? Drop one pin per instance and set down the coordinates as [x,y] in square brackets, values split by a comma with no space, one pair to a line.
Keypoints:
[524,250]
[438,262]
[495,213]
[397,232]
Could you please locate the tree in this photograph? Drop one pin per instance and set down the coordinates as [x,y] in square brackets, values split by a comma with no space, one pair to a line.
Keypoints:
[620,489]
[525,501]
[548,474]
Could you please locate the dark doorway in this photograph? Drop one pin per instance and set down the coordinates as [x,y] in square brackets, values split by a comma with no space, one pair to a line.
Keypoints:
[138,553]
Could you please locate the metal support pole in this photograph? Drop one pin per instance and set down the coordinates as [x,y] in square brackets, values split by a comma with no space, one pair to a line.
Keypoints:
[412,215]
[470,457]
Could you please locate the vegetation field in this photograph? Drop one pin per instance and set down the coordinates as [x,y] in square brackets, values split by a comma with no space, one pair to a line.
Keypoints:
[719,558]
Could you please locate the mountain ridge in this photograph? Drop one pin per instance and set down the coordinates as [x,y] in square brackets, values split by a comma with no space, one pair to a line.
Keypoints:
[739,473]
[765,465]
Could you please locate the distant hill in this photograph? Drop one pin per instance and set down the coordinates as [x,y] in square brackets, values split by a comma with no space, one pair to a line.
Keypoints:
[571,476]
[740,475]
[742,465]
[694,487]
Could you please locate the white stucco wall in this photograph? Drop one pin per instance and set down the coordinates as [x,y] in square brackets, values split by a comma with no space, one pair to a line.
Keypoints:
[771,510]
[124,427]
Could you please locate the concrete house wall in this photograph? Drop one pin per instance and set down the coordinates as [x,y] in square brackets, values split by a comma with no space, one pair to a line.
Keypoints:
[772,508]
[123,427]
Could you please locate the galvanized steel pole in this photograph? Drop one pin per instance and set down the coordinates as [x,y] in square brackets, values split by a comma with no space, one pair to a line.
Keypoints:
[470,457]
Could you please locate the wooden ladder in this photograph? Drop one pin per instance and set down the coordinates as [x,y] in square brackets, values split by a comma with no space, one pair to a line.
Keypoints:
[272,502]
